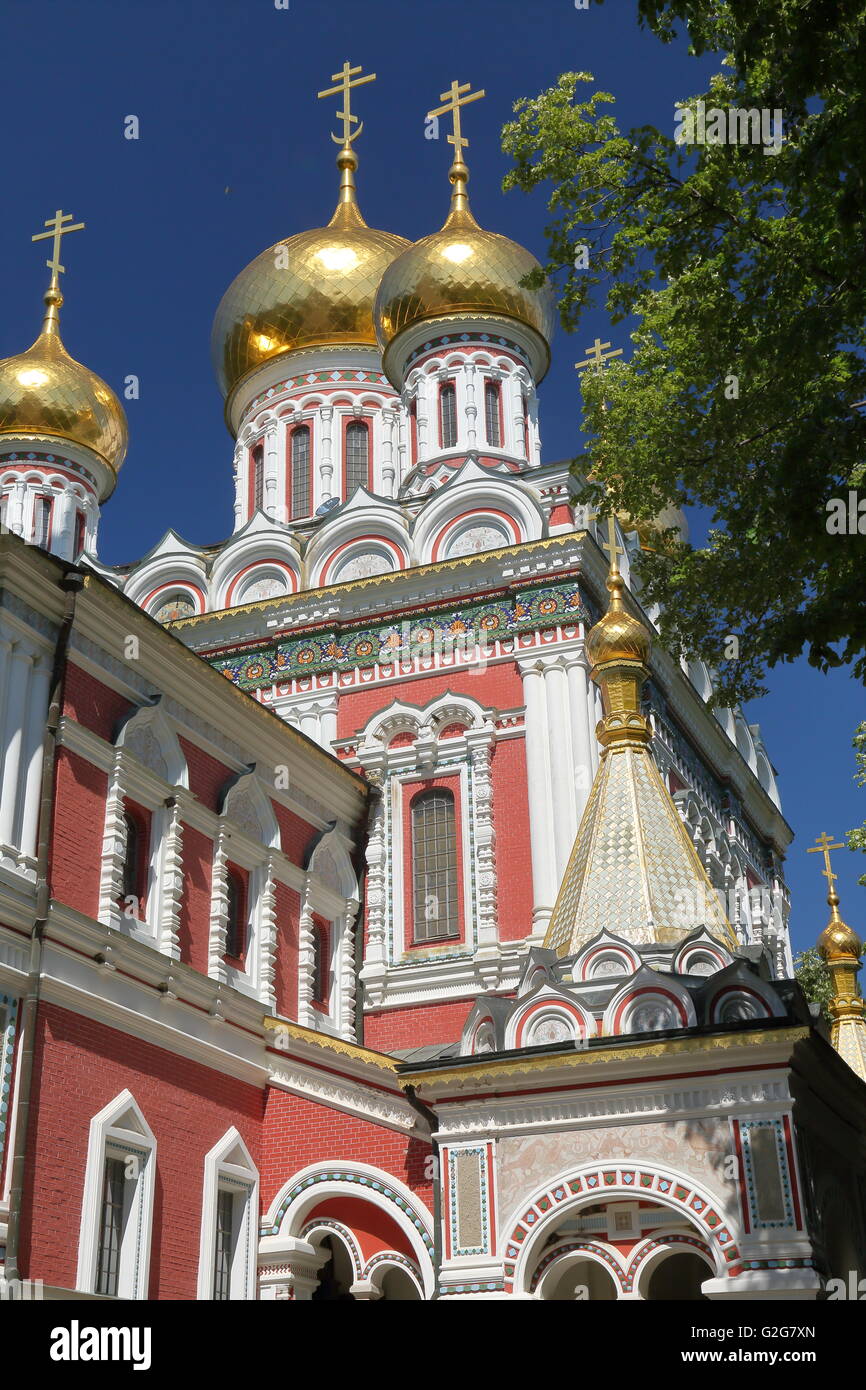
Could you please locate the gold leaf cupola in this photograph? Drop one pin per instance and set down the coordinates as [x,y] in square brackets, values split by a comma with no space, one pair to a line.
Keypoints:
[311,290]
[461,273]
[48,400]
[633,871]
[840,948]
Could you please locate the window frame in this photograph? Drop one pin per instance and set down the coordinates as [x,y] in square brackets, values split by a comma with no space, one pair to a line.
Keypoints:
[257,478]
[42,500]
[79,534]
[239,876]
[294,431]
[228,1167]
[356,422]
[146,866]
[494,385]
[427,793]
[112,1137]
[447,386]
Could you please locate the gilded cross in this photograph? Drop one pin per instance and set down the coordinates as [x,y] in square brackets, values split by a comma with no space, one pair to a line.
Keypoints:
[823,846]
[611,546]
[454,98]
[596,356]
[344,82]
[57,230]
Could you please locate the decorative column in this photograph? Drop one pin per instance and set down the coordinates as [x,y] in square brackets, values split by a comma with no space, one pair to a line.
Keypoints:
[238,474]
[389,466]
[375,966]
[582,732]
[348,979]
[33,754]
[289,1269]
[306,958]
[113,850]
[561,762]
[20,661]
[471,406]
[268,938]
[544,879]
[271,469]
[326,468]
[328,701]
[422,417]
[219,910]
[487,962]
[172,880]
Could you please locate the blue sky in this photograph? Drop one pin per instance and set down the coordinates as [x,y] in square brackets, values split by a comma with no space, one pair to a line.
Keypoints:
[224,91]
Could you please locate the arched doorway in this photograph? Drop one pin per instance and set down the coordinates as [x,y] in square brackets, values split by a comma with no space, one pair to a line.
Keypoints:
[337,1274]
[575,1280]
[676,1277]
[398,1287]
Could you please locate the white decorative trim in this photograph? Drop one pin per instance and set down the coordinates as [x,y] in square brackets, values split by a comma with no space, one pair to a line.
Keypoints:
[228,1164]
[119,1130]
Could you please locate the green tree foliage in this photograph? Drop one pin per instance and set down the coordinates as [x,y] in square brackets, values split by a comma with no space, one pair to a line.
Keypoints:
[745,273]
[814,978]
[857,838]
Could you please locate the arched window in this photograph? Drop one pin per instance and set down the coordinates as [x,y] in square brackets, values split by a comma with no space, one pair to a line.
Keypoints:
[258,467]
[525,426]
[320,981]
[434,865]
[80,535]
[236,914]
[301,503]
[357,456]
[134,878]
[413,432]
[42,521]
[448,415]
[491,413]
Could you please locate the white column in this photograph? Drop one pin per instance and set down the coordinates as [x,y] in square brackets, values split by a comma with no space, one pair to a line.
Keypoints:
[20,663]
[560,755]
[240,484]
[272,497]
[172,882]
[423,416]
[346,971]
[471,406]
[306,959]
[582,731]
[540,797]
[389,465]
[328,719]
[37,712]
[326,467]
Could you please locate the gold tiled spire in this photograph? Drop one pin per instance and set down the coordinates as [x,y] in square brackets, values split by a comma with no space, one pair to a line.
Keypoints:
[633,870]
[841,948]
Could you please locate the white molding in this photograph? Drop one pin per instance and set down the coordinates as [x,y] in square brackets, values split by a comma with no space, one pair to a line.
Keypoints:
[229,1160]
[106,1133]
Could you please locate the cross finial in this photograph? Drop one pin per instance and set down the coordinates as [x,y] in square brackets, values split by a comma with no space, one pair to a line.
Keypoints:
[823,845]
[57,229]
[458,95]
[610,545]
[345,83]
[597,357]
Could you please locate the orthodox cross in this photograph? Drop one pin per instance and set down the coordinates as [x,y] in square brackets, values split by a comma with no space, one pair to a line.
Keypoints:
[343,88]
[454,98]
[595,360]
[596,356]
[823,846]
[610,544]
[57,229]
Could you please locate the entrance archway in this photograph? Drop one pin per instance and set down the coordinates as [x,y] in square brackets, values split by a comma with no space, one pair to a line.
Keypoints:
[677,1277]
[576,1278]
[337,1274]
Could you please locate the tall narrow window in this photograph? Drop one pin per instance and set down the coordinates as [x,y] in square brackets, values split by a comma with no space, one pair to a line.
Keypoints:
[491,413]
[80,535]
[4,511]
[224,1246]
[525,427]
[258,466]
[301,503]
[434,865]
[321,972]
[134,883]
[357,457]
[448,416]
[413,432]
[236,900]
[111,1227]
[42,521]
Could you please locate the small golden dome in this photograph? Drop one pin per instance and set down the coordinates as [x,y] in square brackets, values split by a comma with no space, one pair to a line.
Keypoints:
[617,636]
[44,391]
[312,289]
[462,269]
[838,940]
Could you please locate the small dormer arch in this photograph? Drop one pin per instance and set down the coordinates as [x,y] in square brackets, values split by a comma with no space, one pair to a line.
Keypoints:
[549,1015]
[245,804]
[603,957]
[149,737]
[648,1003]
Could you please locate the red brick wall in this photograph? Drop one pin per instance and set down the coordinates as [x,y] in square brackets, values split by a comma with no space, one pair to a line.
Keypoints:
[298,1132]
[194,928]
[207,776]
[511,823]
[499,686]
[91,703]
[80,1067]
[286,976]
[295,834]
[417,1026]
[79,823]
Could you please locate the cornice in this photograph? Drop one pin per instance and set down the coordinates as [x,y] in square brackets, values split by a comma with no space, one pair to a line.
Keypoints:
[314,1040]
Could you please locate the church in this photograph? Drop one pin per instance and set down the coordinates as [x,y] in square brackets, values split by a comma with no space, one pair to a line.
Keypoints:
[384,913]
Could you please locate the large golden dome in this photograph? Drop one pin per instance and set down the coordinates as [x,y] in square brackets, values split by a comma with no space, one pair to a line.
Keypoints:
[44,391]
[462,269]
[309,290]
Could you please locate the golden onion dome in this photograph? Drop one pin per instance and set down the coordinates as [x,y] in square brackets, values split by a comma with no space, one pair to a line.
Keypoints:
[462,269]
[617,636]
[44,391]
[312,289]
[838,940]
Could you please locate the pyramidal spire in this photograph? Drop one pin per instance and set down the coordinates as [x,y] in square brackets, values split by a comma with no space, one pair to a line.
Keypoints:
[633,871]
